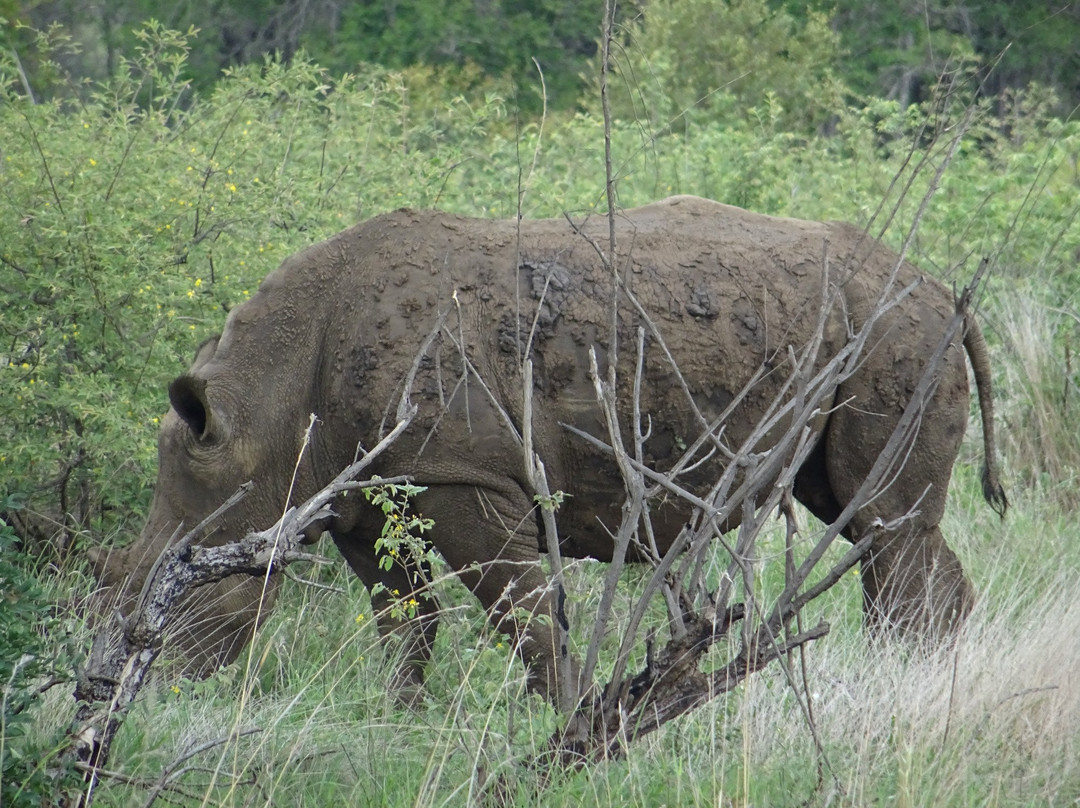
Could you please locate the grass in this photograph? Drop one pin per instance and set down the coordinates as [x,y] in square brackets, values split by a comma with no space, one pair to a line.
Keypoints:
[993,720]
[1039,417]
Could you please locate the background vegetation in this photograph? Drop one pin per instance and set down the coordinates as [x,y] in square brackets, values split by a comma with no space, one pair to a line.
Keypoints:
[143,194]
[893,50]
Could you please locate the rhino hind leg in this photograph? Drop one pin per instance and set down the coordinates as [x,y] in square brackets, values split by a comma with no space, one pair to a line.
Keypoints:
[913,583]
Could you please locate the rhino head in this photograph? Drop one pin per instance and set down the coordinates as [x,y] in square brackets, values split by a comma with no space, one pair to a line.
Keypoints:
[212,440]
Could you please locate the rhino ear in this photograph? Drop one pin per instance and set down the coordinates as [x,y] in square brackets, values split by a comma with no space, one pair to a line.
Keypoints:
[187,394]
[205,352]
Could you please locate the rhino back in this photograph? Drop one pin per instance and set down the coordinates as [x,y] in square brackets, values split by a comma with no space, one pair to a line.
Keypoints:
[722,291]
[727,290]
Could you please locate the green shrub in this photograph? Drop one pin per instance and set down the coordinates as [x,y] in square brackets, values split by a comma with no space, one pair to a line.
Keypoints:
[131,222]
[723,60]
[34,656]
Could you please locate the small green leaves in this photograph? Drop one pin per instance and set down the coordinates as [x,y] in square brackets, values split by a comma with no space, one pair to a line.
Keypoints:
[552,502]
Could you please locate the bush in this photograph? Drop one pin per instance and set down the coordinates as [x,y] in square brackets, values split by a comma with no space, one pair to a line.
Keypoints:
[34,656]
[132,222]
[714,60]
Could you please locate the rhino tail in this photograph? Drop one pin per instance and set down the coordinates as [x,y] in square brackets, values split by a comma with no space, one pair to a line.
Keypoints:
[975,344]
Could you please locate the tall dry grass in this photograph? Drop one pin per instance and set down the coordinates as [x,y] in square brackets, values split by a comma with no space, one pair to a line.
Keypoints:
[1040,369]
[994,719]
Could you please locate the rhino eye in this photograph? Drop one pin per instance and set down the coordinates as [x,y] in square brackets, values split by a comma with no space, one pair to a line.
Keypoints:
[188,397]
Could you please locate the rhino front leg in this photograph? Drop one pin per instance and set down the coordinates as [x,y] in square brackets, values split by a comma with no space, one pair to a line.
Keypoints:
[413,638]
[490,537]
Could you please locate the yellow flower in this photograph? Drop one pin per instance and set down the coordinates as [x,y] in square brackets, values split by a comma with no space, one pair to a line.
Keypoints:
[93,162]
[198,282]
[175,690]
[359,619]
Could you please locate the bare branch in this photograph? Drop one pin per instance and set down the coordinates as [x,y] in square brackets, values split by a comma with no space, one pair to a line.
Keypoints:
[181,569]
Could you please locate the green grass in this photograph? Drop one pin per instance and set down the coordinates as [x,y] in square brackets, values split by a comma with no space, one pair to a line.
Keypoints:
[993,720]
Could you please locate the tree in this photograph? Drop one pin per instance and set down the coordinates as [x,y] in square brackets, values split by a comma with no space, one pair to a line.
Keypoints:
[712,58]
[899,49]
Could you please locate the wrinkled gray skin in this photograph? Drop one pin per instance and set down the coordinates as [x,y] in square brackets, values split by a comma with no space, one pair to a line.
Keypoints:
[335,329]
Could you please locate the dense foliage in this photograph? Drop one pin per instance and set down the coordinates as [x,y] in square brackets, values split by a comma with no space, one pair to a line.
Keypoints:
[897,50]
[753,56]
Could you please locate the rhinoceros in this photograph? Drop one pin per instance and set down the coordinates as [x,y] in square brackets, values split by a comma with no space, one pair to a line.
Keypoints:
[337,327]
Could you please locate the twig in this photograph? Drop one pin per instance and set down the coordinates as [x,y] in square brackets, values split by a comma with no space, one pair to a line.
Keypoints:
[292,576]
[605,103]
[568,685]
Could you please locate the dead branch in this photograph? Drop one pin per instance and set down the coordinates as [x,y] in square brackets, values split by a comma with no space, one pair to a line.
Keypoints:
[106,690]
[568,686]
[752,484]
[171,774]
[672,683]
